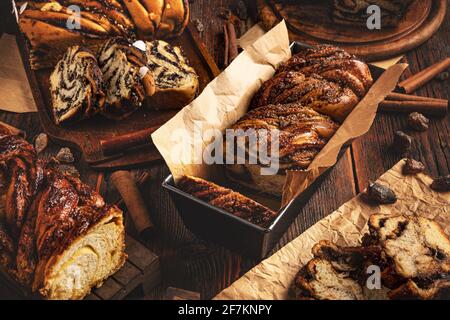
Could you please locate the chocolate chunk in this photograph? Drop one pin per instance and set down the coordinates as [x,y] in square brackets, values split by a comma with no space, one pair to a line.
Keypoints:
[41,142]
[65,155]
[412,166]
[402,143]
[418,121]
[380,194]
[441,184]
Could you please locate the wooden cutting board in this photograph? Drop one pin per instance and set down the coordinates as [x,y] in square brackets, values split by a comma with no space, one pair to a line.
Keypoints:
[142,268]
[311,22]
[85,135]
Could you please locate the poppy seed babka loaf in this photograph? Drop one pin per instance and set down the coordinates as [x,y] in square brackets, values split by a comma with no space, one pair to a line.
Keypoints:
[57,236]
[126,77]
[51,26]
[176,82]
[302,133]
[228,200]
[76,86]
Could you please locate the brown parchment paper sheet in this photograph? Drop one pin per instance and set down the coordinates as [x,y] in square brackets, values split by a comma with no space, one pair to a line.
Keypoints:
[226,99]
[272,278]
[14,87]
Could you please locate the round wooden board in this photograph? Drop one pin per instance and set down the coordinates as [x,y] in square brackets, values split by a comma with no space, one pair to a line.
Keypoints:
[388,48]
[321,26]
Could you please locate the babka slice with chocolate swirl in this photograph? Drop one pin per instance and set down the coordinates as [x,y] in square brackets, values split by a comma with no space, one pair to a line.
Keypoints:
[228,200]
[176,81]
[76,86]
[126,77]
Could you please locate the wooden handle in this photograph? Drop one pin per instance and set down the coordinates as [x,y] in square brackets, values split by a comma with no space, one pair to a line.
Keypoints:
[121,143]
[418,80]
[429,108]
[132,197]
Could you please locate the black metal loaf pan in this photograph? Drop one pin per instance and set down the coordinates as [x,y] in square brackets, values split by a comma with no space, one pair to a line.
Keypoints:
[216,225]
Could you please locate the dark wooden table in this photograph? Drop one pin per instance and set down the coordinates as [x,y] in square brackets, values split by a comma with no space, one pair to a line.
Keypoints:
[194,265]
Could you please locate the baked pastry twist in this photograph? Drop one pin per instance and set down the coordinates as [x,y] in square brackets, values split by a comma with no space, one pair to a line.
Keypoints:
[76,86]
[57,236]
[51,26]
[126,77]
[327,78]
[228,200]
[302,133]
[413,254]
[176,82]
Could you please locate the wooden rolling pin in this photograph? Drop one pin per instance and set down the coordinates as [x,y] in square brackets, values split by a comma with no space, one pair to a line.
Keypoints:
[122,143]
[124,183]
[418,80]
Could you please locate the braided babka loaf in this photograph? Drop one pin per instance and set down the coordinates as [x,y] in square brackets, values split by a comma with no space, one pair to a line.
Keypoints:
[302,133]
[354,12]
[176,81]
[326,78]
[51,26]
[126,77]
[412,253]
[228,200]
[76,86]
[57,235]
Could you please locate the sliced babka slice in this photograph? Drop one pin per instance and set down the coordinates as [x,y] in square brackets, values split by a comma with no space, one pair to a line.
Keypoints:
[176,81]
[126,77]
[76,86]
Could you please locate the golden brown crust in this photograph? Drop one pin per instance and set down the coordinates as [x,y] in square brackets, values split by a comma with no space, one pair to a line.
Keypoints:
[51,212]
[228,200]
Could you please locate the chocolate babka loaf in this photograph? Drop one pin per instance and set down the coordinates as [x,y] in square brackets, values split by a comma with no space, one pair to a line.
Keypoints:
[51,26]
[314,91]
[412,254]
[57,235]
[176,82]
[418,251]
[354,12]
[126,77]
[327,78]
[158,18]
[228,200]
[302,133]
[76,86]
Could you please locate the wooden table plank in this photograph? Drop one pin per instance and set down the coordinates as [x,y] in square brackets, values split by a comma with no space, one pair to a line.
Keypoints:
[192,264]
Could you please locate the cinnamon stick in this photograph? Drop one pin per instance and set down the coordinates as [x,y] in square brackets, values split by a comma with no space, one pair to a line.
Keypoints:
[226,46]
[13,130]
[121,143]
[408,97]
[124,183]
[233,47]
[418,80]
[426,107]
